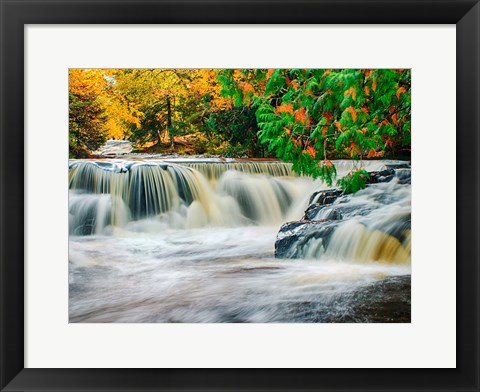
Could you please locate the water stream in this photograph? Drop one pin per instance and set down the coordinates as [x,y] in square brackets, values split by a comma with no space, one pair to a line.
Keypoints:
[193,241]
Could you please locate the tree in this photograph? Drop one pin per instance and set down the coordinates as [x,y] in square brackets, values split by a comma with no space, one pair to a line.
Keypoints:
[308,116]
[165,102]
[87,115]
[238,126]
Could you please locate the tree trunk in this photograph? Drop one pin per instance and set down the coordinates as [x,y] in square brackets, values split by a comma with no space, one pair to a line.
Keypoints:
[169,123]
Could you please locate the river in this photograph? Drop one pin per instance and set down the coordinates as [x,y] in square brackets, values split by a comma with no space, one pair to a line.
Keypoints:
[192,240]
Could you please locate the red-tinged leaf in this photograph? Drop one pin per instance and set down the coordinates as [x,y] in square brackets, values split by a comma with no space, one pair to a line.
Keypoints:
[328,116]
[324,130]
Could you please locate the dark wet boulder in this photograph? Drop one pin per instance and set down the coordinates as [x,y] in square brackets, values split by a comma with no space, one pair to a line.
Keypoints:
[293,236]
[313,211]
[395,166]
[381,176]
[319,200]
[326,196]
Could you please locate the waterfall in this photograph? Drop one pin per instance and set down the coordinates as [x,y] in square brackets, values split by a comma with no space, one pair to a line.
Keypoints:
[216,170]
[372,225]
[189,195]
[158,195]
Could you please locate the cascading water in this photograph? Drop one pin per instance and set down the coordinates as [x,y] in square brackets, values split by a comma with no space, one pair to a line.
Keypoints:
[193,241]
[372,225]
[122,191]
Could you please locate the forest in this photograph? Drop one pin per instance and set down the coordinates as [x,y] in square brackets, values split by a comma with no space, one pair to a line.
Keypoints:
[304,116]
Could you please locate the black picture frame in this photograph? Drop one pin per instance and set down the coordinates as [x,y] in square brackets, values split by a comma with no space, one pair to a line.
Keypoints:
[15,14]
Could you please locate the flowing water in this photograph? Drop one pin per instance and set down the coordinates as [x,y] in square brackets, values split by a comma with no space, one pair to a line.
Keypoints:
[193,241]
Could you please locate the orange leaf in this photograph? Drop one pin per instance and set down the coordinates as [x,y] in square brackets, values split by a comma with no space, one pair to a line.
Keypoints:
[367,91]
[388,142]
[269,73]
[285,108]
[353,149]
[296,142]
[248,87]
[351,91]
[371,153]
[339,127]
[295,85]
[353,113]
[374,85]
[324,130]
[327,163]
[300,115]
[287,131]
[399,91]
[365,109]
[310,150]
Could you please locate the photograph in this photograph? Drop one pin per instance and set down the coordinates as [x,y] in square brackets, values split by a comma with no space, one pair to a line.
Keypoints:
[239,195]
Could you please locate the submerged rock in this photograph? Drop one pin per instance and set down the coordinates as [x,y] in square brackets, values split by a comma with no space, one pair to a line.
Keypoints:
[384,301]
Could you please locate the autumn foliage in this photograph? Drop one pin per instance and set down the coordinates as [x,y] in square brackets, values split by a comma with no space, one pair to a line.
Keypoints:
[304,116]
[308,116]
